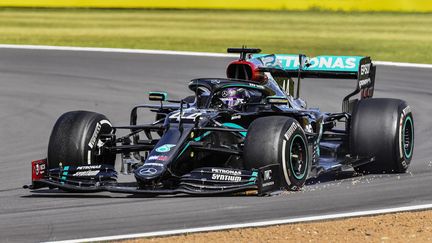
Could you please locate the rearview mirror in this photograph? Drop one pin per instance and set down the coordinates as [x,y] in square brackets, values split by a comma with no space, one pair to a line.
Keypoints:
[158,96]
[276,100]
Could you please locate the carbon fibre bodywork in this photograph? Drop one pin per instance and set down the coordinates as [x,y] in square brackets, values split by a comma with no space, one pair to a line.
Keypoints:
[196,147]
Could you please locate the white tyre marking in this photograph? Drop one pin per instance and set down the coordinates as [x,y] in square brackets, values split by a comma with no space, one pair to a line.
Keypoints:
[400,136]
[89,157]
[105,122]
[285,171]
[95,135]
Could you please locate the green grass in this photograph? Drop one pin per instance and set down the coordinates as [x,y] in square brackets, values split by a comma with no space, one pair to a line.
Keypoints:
[383,36]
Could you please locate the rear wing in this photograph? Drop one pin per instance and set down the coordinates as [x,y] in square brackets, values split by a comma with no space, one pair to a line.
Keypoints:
[335,67]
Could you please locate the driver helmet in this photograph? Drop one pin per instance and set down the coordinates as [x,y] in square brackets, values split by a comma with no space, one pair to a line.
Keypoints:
[234,98]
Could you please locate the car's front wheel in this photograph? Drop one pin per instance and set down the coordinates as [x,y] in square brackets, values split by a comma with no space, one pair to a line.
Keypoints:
[278,139]
[75,140]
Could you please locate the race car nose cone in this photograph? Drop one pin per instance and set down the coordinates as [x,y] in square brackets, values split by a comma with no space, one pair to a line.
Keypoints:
[149,171]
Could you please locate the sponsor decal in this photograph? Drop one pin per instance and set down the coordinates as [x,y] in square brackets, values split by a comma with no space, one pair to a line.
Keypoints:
[192,116]
[147,171]
[256,86]
[220,177]
[165,148]
[86,173]
[270,60]
[401,153]
[158,157]
[235,117]
[308,128]
[154,164]
[267,175]
[94,136]
[290,131]
[332,62]
[226,171]
[342,63]
[215,81]
[270,183]
[406,110]
[365,82]
[40,169]
[365,69]
[89,167]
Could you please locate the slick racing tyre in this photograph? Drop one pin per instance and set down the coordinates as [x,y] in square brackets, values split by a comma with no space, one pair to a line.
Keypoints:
[75,137]
[383,128]
[278,139]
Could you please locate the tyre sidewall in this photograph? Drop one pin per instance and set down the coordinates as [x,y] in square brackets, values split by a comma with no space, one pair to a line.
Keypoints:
[377,130]
[291,134]
[405,119]
[74,139]
[89,143]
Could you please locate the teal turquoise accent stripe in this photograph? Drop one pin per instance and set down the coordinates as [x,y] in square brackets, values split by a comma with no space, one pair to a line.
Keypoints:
[407,154]
[184,149]
[253,178]
[65,172]
[298,177]
[233,125]
[197,139]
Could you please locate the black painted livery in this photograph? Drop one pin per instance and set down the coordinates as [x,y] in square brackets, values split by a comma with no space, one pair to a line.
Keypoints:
[200,145]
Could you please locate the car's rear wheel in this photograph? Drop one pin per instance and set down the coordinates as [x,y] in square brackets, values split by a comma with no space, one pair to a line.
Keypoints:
[382,128]
[75,140]
[278,139]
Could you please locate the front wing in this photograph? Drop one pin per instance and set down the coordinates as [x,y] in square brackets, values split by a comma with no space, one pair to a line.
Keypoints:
[201,181]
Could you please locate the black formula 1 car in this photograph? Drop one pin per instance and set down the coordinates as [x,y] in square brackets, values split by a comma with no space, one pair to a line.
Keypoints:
[249,133]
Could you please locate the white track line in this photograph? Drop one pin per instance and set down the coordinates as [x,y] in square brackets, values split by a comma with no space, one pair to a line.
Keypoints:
[403,64]
[253,224]
[182,53]
[117,50]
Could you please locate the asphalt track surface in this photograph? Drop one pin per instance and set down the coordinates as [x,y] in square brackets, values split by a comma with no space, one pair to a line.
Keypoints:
[37,86]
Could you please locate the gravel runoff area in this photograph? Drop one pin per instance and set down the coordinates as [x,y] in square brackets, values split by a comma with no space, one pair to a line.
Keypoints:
[397,227]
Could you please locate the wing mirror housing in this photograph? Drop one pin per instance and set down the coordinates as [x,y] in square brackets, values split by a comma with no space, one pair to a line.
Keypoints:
[276,100]
[158,96]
